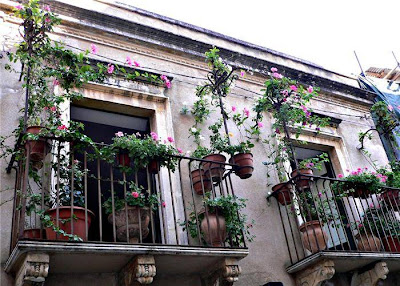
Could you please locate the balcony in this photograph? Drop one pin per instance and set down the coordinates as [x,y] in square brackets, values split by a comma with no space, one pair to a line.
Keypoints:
[70,206]
[329,219]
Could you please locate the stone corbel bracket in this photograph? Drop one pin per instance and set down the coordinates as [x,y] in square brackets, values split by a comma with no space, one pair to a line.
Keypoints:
[316,274]
[141,270]
[33,270]
[371,277]
[227,273]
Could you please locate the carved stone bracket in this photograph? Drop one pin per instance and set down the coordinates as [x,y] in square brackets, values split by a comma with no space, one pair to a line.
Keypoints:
[371,277]
[316,274]
[226,274]
[140,270]
[33,270]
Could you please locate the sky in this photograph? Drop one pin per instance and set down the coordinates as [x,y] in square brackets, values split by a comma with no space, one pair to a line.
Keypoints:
[324,32]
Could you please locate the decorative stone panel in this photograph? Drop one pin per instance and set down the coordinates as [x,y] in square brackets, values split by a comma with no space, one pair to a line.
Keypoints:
[141,270]
[33,270]
[371,277]
[316,274]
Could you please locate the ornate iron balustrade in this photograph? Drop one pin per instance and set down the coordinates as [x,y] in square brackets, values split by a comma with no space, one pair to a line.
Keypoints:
[325,214]
[58,202]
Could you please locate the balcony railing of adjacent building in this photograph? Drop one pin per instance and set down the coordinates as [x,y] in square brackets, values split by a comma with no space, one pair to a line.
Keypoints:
[73,196]
[320,214]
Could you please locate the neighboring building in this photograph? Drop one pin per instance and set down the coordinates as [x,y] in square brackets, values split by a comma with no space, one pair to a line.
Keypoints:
[166,46]
[392,75]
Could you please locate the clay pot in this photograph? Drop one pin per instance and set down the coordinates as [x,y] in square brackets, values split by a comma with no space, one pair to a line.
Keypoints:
[153,167]
[302,182]
[391,197]
[65,215]
[245,163]
[368,242]
[38,148]
[391,243]
[133,223]
[32,233]
[283,193]
[123,159]
[214,229]
[313,236]
[197,178]
[214,170]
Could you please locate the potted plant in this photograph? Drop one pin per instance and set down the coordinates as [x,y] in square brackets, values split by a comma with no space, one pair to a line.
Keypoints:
[391,194]
[220,221]
[283,193]
[33,201]
[69,204]
[135,209]
[35,142]
[360,183]
[305,167]
[216,169]
[367,228]
[201,183]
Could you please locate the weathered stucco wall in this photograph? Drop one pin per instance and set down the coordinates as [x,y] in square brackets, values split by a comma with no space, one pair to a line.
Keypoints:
[268,253]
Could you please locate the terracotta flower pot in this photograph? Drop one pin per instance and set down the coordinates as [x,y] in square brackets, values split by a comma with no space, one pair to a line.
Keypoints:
[197,178]
[302,181]
[283,193]
[313,236]
[65,216]
[133,223]
[214,170]
[391,243]
[213,228]
[32,233]
[123,159]
[38,148]
[391,197]
[368,242]
[153,167]
[245,162]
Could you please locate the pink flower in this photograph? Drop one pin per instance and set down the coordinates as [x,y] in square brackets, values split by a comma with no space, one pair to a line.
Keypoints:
[285,93]
[277,75]
[277,131]
[304,108]
[354,173]
[110,68]
[56,82]
[94,49]
[47,20]
[340,176]
[19,7]
[371,205]
[163,77]
[135,195]
[274,69]
[170,139]
[47,8]
[233,108]
[242,73]
[319,194]
[76,161]
[154,136]
[136,64]
[260,124]
[53,108]
[293,87]
[167,83]
[45,108]
[310,165]
[119,134]
[129,61]
[180,151]
[310,89]
[390,107]
[164,204]
[246,112]
[62,127]
[359,170]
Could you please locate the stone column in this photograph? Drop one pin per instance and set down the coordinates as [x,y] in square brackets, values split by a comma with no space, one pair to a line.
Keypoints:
[33,270]
[316,274]
[370,277]
[139,271]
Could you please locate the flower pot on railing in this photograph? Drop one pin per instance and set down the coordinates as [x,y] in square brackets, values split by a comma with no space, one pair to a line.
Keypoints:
[64,220]
[153,167]
[38,148]
[368,242]
[245,163]
[391,243]
[302,181]
[133,223]
[213,227]
[123,159]
[391,197]
[215,170]
[32,233]
[313,236]
[201,184]
[283,193]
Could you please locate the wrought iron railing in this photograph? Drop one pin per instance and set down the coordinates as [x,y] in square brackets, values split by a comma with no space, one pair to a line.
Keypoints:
[325,214]
[64,194]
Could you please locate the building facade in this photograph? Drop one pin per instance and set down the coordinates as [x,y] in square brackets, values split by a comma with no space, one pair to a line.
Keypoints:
[170,256]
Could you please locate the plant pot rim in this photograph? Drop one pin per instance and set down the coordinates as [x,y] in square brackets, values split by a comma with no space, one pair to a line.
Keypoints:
[308,223]
[280,184]
[69,207]
[215,154]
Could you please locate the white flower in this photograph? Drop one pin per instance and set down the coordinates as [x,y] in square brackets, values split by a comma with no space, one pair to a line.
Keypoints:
[193,129]
[184,103]
[188,152]
[201,137]
[229,67]
[220,60]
